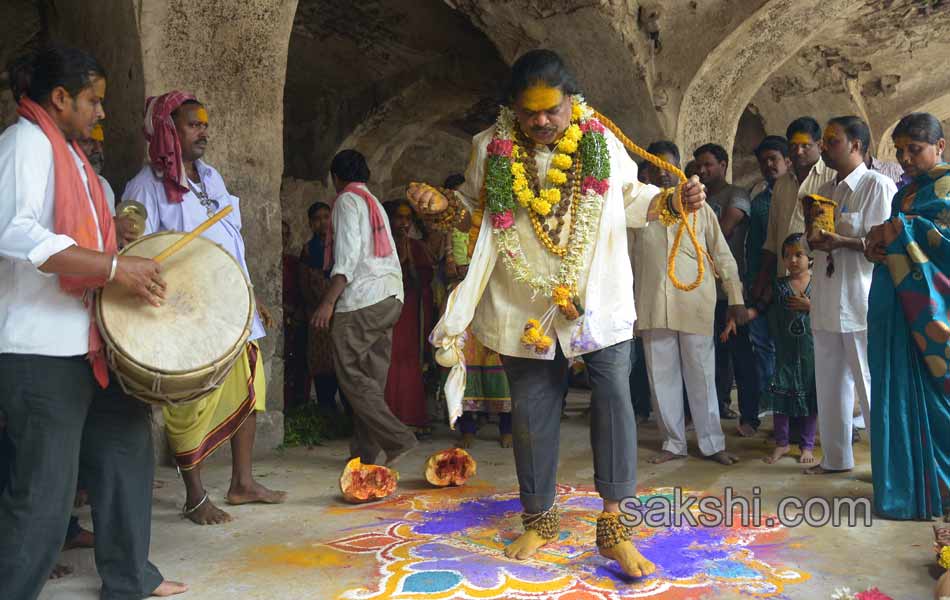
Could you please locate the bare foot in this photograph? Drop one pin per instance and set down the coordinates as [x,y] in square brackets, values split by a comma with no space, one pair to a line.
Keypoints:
[746,430]
[664,456]
[60,571]
[505,440]
[207,514]
[169,588]
[820,470]
[629,558]
[83,539]
[778,453]
[724,458]
[256,494]
[525,546]
[807,457]
[466,441]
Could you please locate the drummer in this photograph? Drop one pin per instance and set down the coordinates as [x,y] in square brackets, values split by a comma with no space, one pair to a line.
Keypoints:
[57,243]
[179,192]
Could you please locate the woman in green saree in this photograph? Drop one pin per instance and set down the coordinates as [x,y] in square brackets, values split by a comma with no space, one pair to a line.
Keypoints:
[909,331]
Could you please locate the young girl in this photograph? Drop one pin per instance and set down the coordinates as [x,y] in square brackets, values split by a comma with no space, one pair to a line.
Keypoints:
[791,393]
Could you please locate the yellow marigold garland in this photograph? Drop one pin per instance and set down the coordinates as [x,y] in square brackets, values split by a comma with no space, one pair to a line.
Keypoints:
[683,219]
[546,198]
[944,560]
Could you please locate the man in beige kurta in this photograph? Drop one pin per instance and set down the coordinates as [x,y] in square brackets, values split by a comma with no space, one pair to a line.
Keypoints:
[677,331]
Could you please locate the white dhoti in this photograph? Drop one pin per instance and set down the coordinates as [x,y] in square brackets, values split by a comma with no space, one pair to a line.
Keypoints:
[841,375]
[673,357]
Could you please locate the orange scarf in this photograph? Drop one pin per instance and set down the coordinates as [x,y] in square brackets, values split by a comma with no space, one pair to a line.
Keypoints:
[73,217]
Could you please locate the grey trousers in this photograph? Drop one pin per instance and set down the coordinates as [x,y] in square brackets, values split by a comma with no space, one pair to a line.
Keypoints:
[537,390]
[363,344]
[60,422]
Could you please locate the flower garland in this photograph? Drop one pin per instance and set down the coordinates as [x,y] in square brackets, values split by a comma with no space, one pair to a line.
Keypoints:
[506,187]
[666,218]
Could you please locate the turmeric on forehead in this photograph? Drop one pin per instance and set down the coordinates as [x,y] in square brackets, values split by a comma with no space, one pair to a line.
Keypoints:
[801,139]
[541,96]
[202,114]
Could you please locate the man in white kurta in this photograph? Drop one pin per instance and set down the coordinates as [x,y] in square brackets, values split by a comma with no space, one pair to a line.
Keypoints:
[497,305]
[839,297]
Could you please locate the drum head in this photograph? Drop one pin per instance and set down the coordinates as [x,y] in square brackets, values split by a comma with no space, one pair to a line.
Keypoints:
[208,308]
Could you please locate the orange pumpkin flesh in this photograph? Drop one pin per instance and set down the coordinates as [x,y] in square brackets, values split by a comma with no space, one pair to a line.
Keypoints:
[450,467]
[366,483]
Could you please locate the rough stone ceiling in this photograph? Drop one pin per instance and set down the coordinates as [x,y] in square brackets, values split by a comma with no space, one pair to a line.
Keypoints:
[352,63]
[880,61]
[346,45]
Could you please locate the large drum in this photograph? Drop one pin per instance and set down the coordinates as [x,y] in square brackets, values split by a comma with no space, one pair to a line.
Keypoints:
[176,353]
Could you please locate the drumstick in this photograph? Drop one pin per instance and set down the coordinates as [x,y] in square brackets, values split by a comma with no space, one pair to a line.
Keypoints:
[167,252]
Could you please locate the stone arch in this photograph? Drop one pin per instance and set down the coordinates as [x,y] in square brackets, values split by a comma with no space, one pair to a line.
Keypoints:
[402,122]
[399,71]
[736,69]
[939,107]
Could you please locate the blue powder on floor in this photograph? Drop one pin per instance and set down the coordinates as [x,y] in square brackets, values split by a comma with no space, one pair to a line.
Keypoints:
[468,514]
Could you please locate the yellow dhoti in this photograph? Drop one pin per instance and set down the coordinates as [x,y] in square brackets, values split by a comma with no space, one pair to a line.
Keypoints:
[197,429]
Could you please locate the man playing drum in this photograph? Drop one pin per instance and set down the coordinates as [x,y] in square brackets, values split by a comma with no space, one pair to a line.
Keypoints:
[57,244]
[180,191]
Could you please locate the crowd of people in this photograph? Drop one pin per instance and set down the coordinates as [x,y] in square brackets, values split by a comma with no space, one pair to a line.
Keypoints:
[787,321]
[469,302]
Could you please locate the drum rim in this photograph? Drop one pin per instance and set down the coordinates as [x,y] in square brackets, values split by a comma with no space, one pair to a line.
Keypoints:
[248,323]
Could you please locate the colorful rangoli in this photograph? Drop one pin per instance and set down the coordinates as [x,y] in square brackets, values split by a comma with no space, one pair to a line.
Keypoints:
[447,546]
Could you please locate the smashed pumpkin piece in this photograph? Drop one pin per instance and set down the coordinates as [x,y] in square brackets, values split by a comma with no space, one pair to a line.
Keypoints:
[366,483]
[450,467]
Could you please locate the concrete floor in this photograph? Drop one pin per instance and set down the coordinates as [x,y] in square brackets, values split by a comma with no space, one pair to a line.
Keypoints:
[274,552]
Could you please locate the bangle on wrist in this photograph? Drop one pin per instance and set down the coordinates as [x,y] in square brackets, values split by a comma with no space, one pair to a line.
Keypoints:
[112,269]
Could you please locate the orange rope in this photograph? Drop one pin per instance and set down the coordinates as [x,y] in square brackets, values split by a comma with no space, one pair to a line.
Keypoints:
[683,225]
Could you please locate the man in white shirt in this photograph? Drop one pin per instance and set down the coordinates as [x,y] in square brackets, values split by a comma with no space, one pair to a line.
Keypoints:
[544,255]
[57,243]
[807,175]
[180,191]
[364,302]
[840,288]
